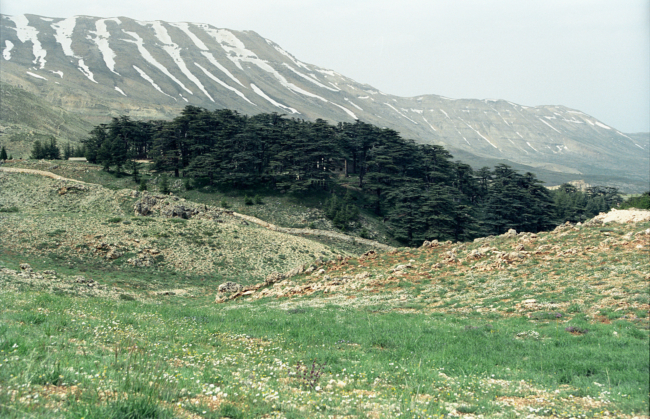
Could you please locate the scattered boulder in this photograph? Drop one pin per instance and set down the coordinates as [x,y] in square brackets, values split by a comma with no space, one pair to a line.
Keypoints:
[371,254]
[25,267]
[295,271]
[430,244]
[142,260]
[362,275]
[475,254]
[510,233]
[229,287]
[179,211]
[113,254]
[274,277]
[399,268]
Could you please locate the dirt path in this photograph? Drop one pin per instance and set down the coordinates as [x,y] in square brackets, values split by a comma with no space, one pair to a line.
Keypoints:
[38,172]
[313,232]
[293,231]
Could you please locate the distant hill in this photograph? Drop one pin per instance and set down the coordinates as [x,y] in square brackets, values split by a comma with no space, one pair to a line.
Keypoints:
[25,117]
[97,68]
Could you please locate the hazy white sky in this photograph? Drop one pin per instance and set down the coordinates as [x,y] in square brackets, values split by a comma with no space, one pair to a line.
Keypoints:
[591,55]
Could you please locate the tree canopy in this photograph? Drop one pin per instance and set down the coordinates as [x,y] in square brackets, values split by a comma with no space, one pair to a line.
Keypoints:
[419,190]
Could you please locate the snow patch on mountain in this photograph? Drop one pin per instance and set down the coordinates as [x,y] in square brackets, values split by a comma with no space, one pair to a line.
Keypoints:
[328,72]
[174,51]
[63,34]
[353,104]
[400,113]
[425,120]
[6,53]
[273,102]
[346,110]
[216,79]
[217,64]
[185,27]
[286,54]
[86,71]
[480,135]
[63,30]
[306,77]
[150,80]
[120,90]
[139,42]
[36,75]
[101,40]
[555,129]
[28,33]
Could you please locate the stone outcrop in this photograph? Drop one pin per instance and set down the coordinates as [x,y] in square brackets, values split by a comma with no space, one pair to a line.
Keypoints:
[229,287]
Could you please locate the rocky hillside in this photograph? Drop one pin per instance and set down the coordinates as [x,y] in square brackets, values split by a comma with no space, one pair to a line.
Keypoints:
[78,223]
[599,268]
[104,67]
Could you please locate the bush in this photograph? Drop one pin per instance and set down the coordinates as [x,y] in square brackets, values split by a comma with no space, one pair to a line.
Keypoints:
[143,184]
[258,200]
[224,204]
[164,185]
[641,202]
[247,200]
[9,209]
[188,184]
[114,220]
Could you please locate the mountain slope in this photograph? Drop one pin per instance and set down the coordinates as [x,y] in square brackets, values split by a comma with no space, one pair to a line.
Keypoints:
[25,117]
[105,67]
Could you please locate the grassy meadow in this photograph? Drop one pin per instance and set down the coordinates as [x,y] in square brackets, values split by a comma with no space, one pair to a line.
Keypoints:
[548,325]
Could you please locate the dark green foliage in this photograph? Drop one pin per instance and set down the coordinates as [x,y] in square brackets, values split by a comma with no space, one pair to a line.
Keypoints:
[419,191]
[342,212]
[258,200]
[164,185]
[3,153]
[188,184]
[143,184]
[577,206]
[248,200]
[72,151]
[48,151]
[641,202]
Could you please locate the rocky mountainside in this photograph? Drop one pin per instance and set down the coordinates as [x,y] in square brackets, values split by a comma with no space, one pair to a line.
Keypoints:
[105,67]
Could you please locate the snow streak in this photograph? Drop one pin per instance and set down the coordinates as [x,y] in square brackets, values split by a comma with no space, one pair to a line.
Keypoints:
[28,33]
[150,80]
[174,51]
[6,53]
[101,39]
[279,105]
[149,58]
[213,77]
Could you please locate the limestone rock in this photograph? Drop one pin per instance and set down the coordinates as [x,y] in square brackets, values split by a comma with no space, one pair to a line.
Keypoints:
[274,277]
[399,268]
[430,244]
[511,233]
[229,287]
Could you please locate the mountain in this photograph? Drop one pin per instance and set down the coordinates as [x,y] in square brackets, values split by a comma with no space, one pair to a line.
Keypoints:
[97,68]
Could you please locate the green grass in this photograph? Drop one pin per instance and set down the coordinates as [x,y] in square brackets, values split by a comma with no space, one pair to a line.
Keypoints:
[173,358]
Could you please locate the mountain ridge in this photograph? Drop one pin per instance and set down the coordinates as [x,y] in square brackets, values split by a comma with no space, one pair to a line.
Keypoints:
[103,67]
